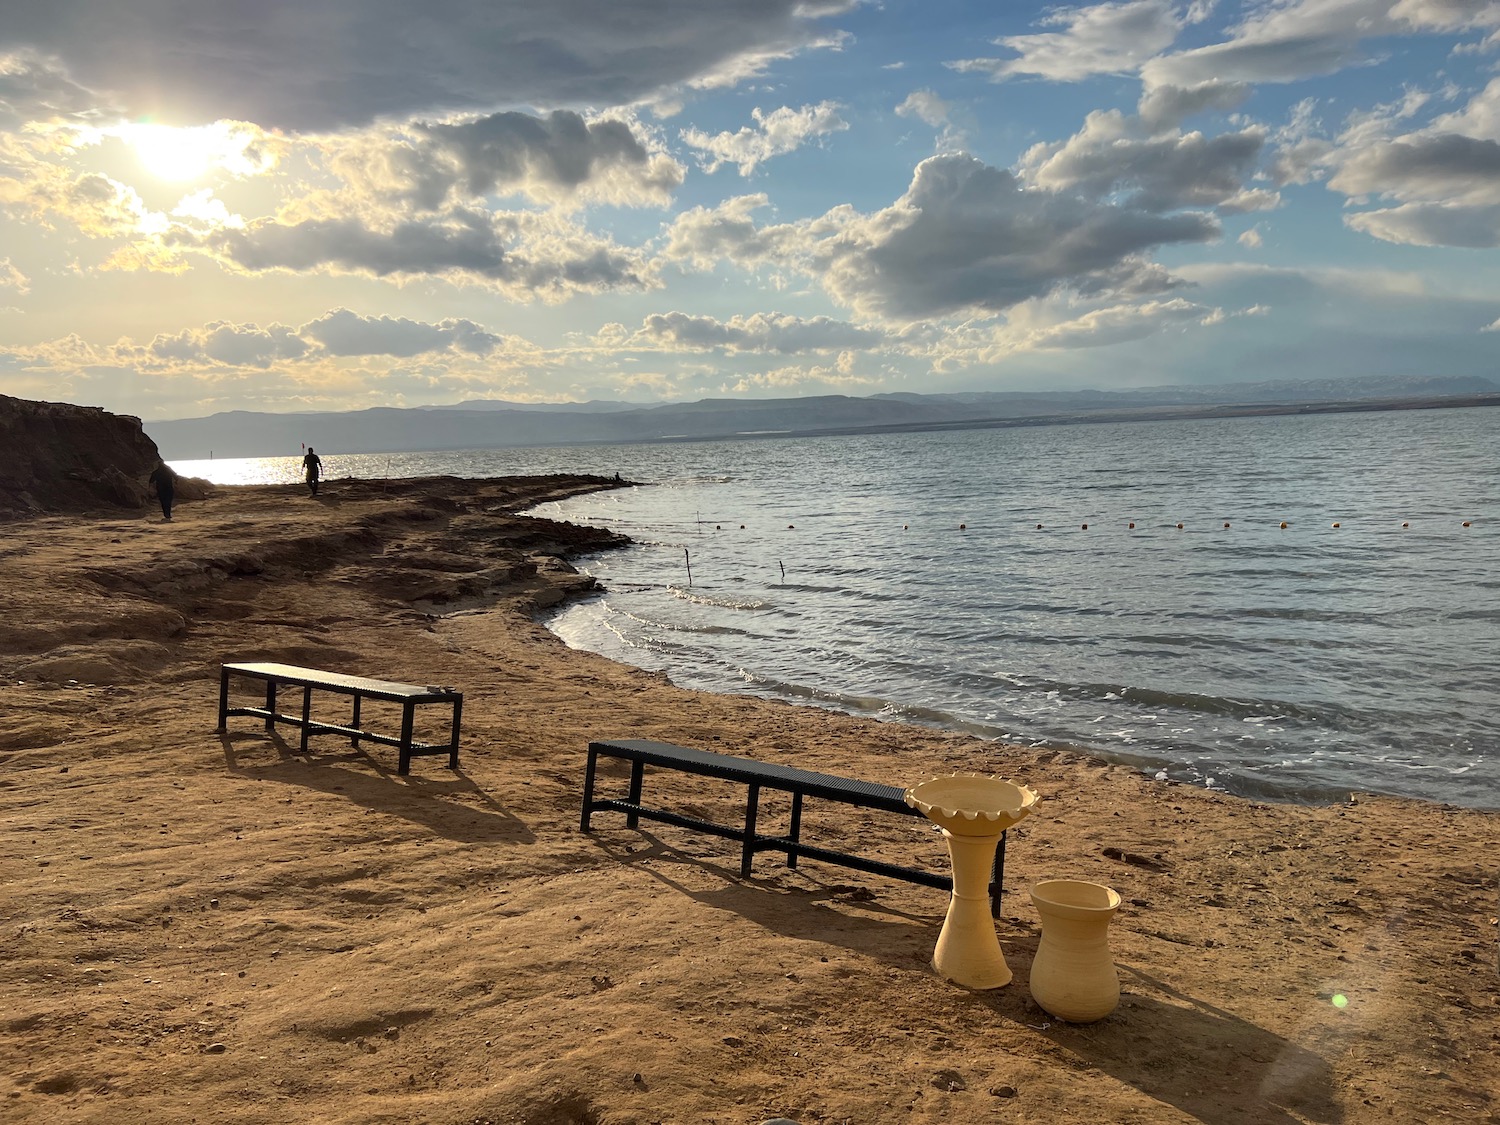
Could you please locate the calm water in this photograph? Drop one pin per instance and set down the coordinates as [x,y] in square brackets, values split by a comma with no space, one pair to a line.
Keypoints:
[906,577]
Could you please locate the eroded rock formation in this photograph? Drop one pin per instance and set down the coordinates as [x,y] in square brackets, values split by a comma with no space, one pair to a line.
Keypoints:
[60,458]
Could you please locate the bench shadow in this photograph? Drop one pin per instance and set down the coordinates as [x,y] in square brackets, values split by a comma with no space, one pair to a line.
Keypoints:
[444,804]
[1163,1042]
[871,928]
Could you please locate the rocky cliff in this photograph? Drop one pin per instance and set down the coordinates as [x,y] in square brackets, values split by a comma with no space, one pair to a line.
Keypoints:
[58,458]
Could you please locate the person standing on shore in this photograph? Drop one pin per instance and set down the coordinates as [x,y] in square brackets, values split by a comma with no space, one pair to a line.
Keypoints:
[312,466]
[164,482]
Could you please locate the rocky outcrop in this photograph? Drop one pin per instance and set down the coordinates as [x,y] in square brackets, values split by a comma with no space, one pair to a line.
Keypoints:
[60,458]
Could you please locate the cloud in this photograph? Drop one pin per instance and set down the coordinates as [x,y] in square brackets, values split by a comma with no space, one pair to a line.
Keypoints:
[761,332]
[12,279]
[1163,107]
[1102,39]
[702,236]
[33,88]
[1432,224]
[925,106]
[229,345]
[345,333]
[1295,39]
[526,256]
[966,239]
[1443,179]
[557,157]
[341,63]
[932,110]
[1113,156]
[776,133]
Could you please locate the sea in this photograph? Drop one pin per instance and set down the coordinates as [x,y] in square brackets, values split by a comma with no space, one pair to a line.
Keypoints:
[1290,608]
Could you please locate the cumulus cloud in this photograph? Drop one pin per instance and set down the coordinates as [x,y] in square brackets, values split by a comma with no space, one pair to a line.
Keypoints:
[776,133]
[556,157]
[1163,107]
[230,345]
[345,333]
[1114,156]
[1102,39]
[760,332]
[1442,180]
[338,63]
[526,256]
[964,238]
[702,236]
[932,110]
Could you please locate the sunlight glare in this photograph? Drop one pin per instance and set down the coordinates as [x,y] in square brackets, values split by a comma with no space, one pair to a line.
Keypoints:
[190,152]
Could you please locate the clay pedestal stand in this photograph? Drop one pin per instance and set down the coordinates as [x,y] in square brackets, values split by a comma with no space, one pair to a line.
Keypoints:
[1073,975]
[972,810]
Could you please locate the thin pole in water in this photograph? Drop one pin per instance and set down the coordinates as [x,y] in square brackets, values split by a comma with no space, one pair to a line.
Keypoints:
[687,559]
[783,571]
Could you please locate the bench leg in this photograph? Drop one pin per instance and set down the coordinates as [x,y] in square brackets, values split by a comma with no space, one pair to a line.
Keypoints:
[306,715]
[588,790]
[458,712]
[403,765]
[270,705]
[637,769]
[747,852]
[997,877]
[223,699]
[354,721]
[796,833]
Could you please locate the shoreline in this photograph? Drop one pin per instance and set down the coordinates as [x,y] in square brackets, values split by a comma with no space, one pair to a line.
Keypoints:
[217,928]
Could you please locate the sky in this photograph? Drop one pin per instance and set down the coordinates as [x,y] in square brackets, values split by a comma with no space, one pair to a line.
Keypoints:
[294,205]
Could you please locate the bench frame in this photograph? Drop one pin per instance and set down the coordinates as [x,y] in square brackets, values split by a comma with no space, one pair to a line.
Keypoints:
[756,776]
[410,696]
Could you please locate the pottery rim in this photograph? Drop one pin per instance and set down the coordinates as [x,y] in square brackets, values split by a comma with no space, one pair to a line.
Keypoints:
[971,803]
[1074,898]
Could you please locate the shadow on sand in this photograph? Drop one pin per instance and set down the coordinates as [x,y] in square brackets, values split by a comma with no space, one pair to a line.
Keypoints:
[872,929]
[450,805]
[1163,1042]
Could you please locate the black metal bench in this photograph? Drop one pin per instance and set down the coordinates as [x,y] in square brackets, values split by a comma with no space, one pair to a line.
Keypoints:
[756,776]
[409,696]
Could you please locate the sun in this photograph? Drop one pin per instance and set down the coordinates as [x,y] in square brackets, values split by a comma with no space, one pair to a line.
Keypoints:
[185,153]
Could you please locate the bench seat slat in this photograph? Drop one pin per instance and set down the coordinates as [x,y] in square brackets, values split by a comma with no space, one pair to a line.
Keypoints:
[339,681]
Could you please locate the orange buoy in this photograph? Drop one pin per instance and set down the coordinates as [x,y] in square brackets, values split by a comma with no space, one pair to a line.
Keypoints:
[1179,527]
[1466,523]
[1283,525]
[1335,523]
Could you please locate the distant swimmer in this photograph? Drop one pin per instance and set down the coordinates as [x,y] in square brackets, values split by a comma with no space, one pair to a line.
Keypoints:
[312,466]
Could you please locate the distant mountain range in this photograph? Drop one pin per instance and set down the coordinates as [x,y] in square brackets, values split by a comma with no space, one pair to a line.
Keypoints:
[492,424]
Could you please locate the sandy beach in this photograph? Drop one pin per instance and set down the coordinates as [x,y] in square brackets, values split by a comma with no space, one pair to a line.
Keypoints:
[213,928]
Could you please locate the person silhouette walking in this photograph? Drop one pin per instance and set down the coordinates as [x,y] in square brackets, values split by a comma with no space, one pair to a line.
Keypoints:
[164,481]
[312,467]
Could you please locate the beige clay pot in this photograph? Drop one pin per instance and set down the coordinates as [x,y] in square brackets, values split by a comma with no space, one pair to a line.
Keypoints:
[973,810]
[1073,975]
